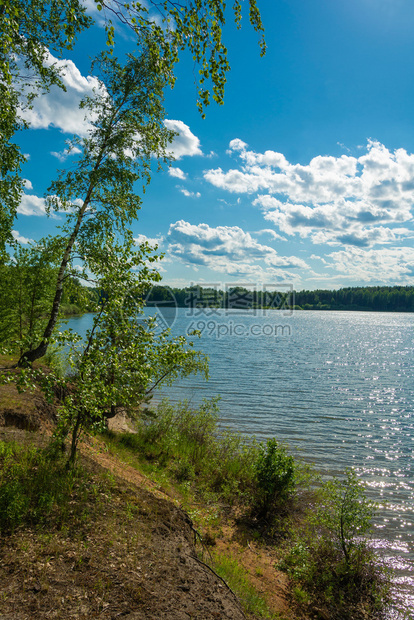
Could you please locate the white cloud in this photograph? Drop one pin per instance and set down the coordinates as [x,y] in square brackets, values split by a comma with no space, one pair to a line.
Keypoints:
[32,205]
[63,155]
[20,239]
[58,108]
[28,184]
[189,194]
[177,173]
[315,257]
[151,240]
[229,250]
[185,143]
[388,265]
[271,232]
[342,200]
[237,145]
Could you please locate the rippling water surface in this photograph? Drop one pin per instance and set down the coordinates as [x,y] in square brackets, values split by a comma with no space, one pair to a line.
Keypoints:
[338,387]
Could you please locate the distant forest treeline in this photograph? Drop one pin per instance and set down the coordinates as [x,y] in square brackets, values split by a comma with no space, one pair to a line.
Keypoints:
[371,298]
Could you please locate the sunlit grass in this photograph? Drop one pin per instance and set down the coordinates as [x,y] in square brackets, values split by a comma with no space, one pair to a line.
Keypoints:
[238,580]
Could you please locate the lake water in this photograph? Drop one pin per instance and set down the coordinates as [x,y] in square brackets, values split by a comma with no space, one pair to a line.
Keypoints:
[338,387]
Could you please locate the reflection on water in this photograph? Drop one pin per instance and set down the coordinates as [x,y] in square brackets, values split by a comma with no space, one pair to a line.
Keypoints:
[336,386]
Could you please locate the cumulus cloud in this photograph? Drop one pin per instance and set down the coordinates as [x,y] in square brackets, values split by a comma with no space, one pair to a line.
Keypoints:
[20,239]
[177,173]
[229,250]
[151,240]
[271,232]
[32,205]
[344,200]
[394,265]
[237,145]
[185,143]
[58,108]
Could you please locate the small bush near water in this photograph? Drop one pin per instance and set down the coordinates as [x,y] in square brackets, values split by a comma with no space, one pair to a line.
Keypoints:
[275,477]
[331,561]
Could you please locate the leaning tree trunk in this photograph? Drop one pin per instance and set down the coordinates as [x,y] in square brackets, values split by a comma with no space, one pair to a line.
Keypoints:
[28,357]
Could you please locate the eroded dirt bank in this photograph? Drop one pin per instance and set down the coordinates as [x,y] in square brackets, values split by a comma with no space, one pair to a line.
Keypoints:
[130,553]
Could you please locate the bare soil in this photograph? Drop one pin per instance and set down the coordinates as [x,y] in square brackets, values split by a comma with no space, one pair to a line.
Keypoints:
[131,554]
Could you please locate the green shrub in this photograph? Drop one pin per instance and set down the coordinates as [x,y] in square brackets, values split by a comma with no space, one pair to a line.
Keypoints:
[275,477]
[332,560]
[183,471]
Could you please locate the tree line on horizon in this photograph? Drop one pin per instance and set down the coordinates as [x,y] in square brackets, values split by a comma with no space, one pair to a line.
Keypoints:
[370,298]
[79,298]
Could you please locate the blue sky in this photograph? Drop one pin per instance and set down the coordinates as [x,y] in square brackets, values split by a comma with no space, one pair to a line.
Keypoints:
[305,175]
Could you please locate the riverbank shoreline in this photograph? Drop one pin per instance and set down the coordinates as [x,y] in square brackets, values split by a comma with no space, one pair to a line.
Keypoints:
[172,575]
[232,542]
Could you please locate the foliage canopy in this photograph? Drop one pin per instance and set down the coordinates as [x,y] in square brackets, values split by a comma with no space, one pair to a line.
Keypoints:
[32,29]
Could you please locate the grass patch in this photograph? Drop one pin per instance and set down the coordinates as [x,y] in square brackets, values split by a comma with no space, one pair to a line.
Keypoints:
[218,465]
[238,580]
[36,489]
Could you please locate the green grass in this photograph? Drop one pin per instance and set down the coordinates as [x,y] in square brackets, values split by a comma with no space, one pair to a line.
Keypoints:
[36,488]
[238,580]
[195,452]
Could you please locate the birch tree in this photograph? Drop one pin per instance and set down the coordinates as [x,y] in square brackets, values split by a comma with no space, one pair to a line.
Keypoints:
[98,196]
[124,357]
